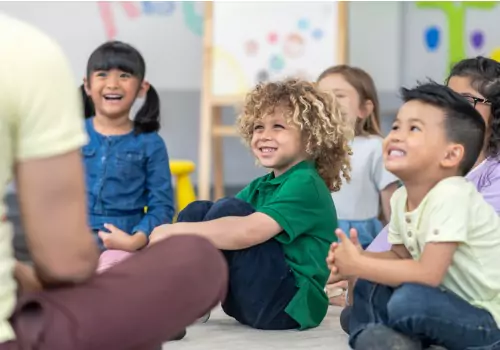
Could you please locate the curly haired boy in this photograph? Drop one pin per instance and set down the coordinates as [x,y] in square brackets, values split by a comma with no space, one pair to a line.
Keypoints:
[276,232]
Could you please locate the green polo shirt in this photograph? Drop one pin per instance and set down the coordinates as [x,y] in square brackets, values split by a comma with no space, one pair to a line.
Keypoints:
[300,202]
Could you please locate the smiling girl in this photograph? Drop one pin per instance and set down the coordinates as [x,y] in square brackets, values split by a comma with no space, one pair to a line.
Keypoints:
[126,161]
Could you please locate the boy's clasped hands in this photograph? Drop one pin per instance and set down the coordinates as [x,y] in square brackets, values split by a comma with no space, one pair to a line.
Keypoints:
[344,256]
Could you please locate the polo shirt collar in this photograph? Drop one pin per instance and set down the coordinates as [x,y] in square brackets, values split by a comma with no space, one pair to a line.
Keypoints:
[305,164]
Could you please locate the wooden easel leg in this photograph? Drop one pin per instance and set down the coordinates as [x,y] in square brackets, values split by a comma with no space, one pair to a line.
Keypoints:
[218,152]
[206,129]
[205,152]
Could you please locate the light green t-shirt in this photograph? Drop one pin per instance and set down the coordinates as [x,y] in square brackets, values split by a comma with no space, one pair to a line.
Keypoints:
[40,116]
[454,211]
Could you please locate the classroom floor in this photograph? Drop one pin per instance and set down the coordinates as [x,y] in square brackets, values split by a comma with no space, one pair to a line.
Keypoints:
[223,332]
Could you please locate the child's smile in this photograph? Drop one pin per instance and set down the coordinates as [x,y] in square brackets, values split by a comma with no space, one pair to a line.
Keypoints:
[267,155]
[394,152]
[112,98]
[268,151]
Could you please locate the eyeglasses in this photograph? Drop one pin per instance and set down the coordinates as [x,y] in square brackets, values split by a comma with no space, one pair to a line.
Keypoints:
[475,100]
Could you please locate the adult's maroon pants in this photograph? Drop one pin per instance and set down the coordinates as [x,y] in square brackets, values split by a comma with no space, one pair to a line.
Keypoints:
[135,305]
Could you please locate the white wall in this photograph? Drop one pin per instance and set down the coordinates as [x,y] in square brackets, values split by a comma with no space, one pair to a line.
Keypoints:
[172,47]
[375,40]
[167,39]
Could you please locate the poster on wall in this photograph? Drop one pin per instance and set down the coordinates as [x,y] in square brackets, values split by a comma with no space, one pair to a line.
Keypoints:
[259,41]
[167,33]
[441,33]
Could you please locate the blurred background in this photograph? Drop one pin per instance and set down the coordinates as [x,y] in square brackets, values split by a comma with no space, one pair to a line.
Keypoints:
[398,43]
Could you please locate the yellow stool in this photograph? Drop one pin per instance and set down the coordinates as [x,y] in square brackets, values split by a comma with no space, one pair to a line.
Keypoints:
[184,190]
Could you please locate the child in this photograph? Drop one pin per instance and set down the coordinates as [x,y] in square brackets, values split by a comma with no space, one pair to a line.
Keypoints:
[276,230]
[477,80]
[127,166]
[439,284]
[359,202]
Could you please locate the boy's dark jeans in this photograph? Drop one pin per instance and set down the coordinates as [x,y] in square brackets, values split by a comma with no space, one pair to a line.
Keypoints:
[431,315]
[261,284]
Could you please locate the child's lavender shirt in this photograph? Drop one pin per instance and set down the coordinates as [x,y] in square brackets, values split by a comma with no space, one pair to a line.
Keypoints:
[486,177]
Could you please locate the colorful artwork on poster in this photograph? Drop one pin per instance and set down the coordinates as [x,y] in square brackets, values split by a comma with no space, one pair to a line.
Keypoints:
[458,38]
[133,10]
[291,46]
[295,39]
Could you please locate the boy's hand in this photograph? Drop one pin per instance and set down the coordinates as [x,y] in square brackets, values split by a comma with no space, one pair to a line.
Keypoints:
[353,233]
[335,276]
[116,238]
[330,258]
[345,255]
[160,233]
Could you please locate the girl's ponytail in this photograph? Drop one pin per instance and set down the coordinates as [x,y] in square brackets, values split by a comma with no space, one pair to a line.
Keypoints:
[147,118]
[88,106]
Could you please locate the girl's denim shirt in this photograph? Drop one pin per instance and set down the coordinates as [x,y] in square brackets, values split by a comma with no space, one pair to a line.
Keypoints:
[124,174]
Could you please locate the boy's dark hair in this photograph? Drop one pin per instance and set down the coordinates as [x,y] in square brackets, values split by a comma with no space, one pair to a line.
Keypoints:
[484,74]
[122,56]
[463,123]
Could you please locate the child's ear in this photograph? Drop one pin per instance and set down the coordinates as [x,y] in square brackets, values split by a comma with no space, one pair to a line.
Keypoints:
[143,89]
[366,109]
[453,156]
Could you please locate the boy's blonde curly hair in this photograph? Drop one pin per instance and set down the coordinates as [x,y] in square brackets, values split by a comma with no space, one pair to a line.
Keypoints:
[324,129]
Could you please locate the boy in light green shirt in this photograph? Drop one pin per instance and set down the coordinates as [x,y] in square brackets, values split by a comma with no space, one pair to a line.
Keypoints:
[440,282]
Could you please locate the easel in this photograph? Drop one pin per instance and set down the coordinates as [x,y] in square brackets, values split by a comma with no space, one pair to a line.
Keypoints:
[212,131]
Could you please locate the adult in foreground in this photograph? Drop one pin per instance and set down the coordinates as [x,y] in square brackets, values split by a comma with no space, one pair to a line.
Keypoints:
[60,303]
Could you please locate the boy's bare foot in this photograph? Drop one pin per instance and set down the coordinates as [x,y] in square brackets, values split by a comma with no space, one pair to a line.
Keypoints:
[336,293]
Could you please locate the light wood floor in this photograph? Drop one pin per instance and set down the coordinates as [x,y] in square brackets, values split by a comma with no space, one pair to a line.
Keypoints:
[223,332]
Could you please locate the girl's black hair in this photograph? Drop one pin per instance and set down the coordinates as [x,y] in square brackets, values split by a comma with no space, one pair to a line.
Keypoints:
[484,74]
[122,56]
